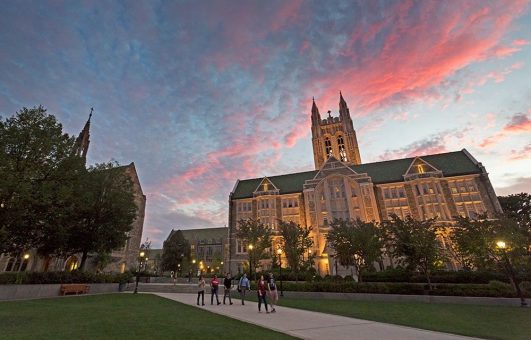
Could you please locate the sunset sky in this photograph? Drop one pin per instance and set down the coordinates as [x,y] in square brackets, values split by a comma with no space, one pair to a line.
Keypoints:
[200,93]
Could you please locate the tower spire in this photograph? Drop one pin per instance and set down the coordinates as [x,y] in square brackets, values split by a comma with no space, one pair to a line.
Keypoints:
[316,117]
[83,140]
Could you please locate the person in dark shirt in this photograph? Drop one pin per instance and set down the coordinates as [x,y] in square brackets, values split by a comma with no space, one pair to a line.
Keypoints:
[227,283]
[262,292]
[214,285]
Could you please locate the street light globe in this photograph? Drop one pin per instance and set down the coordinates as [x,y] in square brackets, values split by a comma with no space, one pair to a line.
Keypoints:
[251,247]
[142,254]
[501,244]
[147,259]
[26,256]
[221,262]
[193,261]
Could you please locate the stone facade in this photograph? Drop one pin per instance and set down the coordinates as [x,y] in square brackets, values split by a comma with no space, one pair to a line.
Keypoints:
[208,247]
[430,186]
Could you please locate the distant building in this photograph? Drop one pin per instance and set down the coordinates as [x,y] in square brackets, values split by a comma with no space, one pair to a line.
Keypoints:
[208,247]
[121,259]
[341,186]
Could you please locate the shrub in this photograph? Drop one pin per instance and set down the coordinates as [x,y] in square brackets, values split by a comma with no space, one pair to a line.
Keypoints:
[500,289]
[63,277]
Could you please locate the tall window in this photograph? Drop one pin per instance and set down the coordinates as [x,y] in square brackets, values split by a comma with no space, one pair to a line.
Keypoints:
[342,151]
[328,146]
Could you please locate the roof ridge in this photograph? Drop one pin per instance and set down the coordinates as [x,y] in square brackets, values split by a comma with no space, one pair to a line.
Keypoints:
[351,166]
[406,158]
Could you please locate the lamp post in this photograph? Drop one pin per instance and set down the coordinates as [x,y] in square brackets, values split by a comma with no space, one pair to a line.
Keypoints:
[279,252]
[141,257]
[251,261]
[502,246]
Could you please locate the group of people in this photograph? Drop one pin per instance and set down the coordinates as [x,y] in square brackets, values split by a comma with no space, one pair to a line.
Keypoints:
[266,290]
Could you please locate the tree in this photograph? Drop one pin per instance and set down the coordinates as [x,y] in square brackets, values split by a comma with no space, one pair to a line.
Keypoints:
[175,251]
[491,244]
[254,233]
[356,243]
[37,175]
[104,211]
[414,244]
[518,208]
[296,241]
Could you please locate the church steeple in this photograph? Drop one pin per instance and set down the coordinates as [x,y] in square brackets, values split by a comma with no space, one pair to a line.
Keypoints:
[83,140]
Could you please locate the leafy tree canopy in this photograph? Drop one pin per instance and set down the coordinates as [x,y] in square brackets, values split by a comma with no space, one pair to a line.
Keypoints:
[414,243]
[176,250]
[296,242]
[356,243]
[254,233]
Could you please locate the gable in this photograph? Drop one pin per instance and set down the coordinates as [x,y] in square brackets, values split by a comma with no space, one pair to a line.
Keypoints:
[265,186]
[333,166]
[419,166]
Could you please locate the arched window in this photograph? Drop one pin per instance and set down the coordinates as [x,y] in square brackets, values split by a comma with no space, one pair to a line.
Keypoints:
[71,264]
[328,146]
[10,264]
[342,151]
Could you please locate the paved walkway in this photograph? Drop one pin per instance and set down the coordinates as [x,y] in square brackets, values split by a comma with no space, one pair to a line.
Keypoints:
[310,325]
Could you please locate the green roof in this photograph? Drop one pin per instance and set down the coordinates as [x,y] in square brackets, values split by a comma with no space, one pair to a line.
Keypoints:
[451,164]
[203,234]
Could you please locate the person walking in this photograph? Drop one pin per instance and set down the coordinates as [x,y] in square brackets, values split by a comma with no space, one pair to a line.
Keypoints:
[262,293]
[227,283]
[201,290]
[214,285]
[243,286]
[272,292]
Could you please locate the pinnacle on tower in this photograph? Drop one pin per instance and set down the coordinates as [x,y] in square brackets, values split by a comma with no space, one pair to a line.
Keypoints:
[83,140]
[342,102]
[316,117]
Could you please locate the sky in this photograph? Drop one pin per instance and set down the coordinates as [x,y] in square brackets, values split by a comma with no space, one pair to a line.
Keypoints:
[199,94]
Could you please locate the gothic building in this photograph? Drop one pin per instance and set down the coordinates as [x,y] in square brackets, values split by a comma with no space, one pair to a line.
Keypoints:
[341,186]
[121,259]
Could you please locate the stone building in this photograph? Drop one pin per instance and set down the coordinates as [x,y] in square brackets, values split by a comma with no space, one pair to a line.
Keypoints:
[208,247]
[341,186]
[121,259]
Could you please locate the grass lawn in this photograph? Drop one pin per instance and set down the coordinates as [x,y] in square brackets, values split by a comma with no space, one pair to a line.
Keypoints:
[491,322]
[119,316]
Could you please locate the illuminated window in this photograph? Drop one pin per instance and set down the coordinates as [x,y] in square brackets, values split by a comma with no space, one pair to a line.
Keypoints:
[420,169]
[342,151]
[328,146]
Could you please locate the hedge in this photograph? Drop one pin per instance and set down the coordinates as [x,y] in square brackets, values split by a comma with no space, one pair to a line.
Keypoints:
[493,289]
[63,277]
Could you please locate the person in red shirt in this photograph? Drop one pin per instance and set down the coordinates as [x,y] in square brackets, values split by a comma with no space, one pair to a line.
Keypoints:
[214,285]
[262,292]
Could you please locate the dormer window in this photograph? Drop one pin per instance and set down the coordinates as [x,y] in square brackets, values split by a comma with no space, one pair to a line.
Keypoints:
[266,187]
[420,168]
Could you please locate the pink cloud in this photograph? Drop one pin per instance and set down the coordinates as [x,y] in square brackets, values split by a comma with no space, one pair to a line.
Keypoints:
[418,56]
[520,42]
[524,153]
[519,123]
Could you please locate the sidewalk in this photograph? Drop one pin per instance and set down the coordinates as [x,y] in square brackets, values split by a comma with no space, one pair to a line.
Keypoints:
[310,325]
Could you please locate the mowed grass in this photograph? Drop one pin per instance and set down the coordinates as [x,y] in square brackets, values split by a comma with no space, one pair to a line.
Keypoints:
[119,316]
[489,322]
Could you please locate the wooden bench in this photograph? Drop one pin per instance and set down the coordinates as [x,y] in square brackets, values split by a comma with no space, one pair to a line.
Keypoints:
[75,288]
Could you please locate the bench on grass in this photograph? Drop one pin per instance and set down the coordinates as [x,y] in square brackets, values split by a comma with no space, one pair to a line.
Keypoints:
[77,288]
